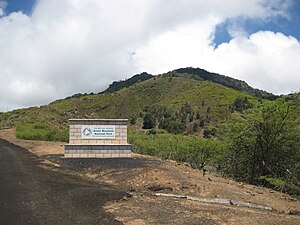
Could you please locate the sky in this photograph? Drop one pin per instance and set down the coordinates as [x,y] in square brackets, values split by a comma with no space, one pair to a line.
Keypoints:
[51,49]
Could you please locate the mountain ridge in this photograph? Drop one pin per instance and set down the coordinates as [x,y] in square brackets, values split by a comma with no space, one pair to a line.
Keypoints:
[185,116]
[196,73]
[118,85]
[171,91]
[203,91]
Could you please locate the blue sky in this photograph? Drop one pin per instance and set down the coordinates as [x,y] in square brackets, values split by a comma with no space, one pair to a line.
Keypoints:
[287,25]
[51,49]
[19,5]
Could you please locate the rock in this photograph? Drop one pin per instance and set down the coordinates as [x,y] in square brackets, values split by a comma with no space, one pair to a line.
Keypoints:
[158,187]
[187,164]
[293,212]
[184,186]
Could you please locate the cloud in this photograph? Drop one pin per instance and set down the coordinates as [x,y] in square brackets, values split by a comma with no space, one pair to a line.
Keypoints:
[3,5]
[265,59]
[70,46]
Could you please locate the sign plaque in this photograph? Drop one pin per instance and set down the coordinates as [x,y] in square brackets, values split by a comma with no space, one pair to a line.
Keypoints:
[98,132]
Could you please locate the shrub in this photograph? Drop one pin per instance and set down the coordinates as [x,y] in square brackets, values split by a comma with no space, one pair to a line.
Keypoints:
[209,132]
[240,104]
[194,150]
[40,131]
[149,121]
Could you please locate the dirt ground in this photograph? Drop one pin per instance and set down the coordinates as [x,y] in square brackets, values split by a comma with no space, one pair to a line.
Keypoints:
[188,196]
[37,147]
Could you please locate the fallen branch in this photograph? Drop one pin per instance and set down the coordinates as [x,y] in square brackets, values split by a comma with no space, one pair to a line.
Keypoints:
[223,201]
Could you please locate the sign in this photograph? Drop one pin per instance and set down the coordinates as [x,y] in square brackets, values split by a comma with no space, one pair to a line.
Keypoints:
[97,132]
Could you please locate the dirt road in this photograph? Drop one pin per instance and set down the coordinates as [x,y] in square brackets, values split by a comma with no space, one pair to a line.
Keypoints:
[30,194]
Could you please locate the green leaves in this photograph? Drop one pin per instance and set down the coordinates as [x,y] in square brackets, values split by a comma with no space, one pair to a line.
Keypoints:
[240,104]
[194,150]
[266,143]
[40,131]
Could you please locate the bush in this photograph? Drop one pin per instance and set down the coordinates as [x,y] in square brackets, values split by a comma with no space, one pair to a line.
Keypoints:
[194,150]
[240,104]
[152,131]
[279,184]
[132,120]
[149,121]
[209,132]
[266,144]
[40,131]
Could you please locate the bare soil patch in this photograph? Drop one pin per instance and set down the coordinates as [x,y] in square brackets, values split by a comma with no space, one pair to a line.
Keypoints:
[37,147]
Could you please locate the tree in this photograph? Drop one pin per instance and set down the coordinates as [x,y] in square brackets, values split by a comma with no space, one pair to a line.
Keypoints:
[174,126]
[184,112]
[195,127]
[209,132]
[240,104]
[132,120]
[201,123]
[266,144]
[198,115]
[149,121]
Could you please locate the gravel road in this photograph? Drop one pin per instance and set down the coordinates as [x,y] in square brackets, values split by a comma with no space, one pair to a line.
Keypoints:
[100,164]
[30,194]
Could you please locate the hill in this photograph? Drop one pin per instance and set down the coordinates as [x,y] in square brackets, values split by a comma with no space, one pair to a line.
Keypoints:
[238,85]
[168,91]
[118,85]
[181,116]
[199,74]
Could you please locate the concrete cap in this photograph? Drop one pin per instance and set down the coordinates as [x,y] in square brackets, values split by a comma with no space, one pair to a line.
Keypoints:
[98,119]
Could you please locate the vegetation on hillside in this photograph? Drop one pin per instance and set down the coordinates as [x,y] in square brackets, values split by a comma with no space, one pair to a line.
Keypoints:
[39,131]
[260,147]
[186,116]
[118,85]
[198,152]
[196,73]
[238,85]
[202,96]
[264,148]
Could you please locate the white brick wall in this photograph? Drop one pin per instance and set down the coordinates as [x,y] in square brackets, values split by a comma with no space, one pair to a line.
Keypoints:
[75,136]
[85,152]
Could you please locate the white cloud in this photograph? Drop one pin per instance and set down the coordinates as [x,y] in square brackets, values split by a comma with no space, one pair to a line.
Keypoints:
[266,60]
[3,5]
[70,46]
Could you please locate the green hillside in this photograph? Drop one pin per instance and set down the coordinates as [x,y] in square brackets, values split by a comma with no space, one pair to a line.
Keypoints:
[182,116]
[171,92]
[199,74]
[118,85]
[235,84]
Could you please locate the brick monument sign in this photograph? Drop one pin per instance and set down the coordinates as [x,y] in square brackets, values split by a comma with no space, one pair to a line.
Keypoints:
[97,138]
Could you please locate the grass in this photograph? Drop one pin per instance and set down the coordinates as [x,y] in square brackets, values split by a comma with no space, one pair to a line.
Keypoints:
[51,122]
[194,150]
[132,100]
[39,131]
[280,185]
